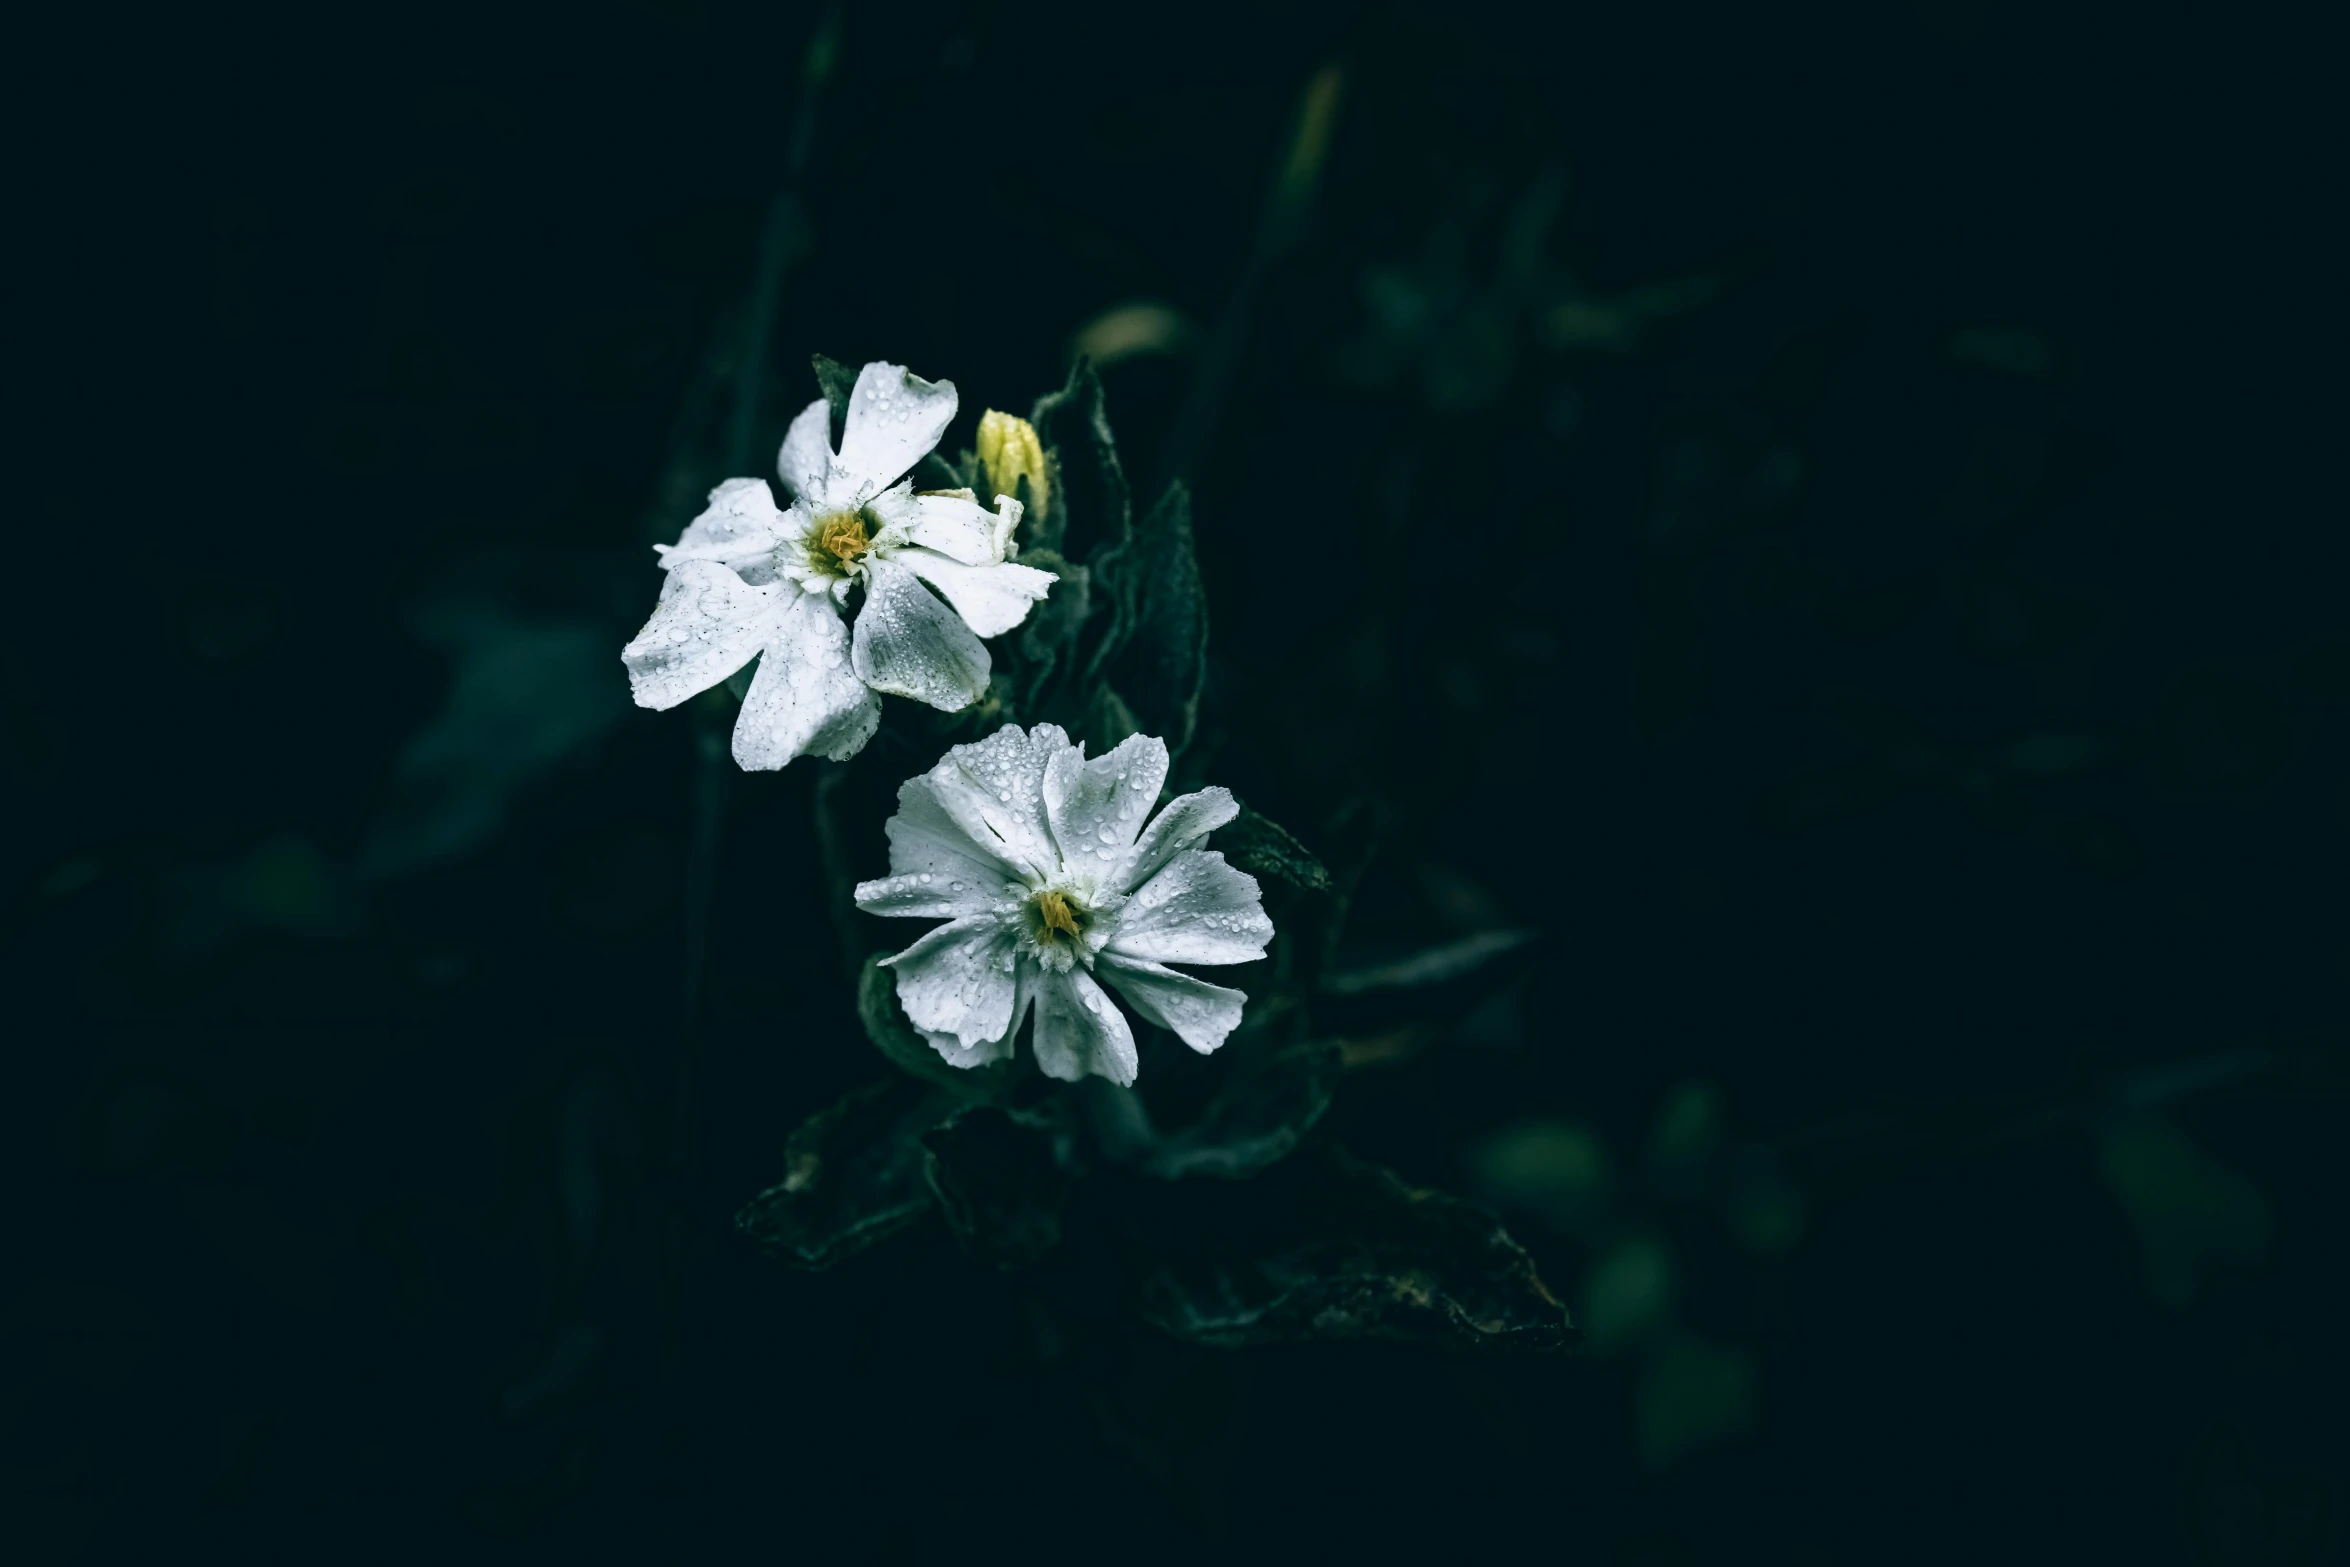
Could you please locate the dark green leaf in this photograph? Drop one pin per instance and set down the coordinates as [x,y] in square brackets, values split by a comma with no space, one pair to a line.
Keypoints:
[1107,721]
[1434,966]
[838,381]
[1091,509]
[1159,657]
[886,1025]
[1001,1178]
[1051,627]
[1328,1247]
[1440,982]
[1264,849]
[1257,1118]
[853,1175]
[934,472]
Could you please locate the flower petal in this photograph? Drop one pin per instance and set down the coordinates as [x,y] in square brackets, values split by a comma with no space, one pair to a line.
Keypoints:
[953,525]
[805,461]
[957,1054]
[925,837]
[993,791]
[909,644]
[1196,910]
[1200,1014]
[708,624]
[960,979]
[805,697]
[1096,807]
[1080,1030]
[1187,819]
[991,599]
[894,417]
[739,529]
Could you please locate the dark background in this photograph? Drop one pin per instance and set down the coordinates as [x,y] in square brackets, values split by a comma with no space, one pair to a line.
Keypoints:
[1824,514]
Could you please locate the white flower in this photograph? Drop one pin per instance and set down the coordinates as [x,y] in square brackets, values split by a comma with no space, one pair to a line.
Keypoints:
[1031,854]
[748,580]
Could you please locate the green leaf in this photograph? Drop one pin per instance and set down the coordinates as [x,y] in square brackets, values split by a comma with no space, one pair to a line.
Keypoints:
[1052,624]
[1001,1178]
[1091,509]
[1327,1248]
[1439,982]
[1265,849]
[1158,655]
[838,381]
[886,1025]
[1434,966]
[1107,721]
[1260,1114]
[853,1175]
[934,472]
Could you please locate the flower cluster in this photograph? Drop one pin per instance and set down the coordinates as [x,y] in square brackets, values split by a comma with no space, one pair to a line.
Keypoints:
[1052,873]
[747,580]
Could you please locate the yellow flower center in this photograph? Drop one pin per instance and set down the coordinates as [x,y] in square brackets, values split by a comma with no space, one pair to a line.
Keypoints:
[837,541]
[1059,916]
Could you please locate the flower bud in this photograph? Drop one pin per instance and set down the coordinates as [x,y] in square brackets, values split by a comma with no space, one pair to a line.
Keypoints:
[1010,452]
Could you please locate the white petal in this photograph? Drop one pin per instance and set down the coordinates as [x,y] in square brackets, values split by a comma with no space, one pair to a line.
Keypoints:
[739,529]
[949,524]
[1096,807]
[805,698]
[993,791]
[927,895]
[959,979]
[1079,1029]
[806,458]
[925,838]
[909,644]
[1187,820]
[1200,1014]
[957,1054]
[894,417]
[1197,910]
[991,599]
[708,624]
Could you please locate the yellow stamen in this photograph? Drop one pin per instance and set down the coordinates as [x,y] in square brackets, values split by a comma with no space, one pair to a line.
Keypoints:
[838,540]
[1054,910]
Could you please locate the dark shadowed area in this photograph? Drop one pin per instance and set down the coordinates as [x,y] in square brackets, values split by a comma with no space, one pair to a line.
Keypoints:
[1783,555]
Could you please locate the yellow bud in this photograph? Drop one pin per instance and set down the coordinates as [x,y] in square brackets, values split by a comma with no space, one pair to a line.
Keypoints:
[1010,452]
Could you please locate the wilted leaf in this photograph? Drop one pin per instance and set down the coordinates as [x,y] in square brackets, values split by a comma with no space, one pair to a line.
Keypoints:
[1257,1118]
[1329,1247]
[853,1175]
[1001,1178]
[886,1025]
